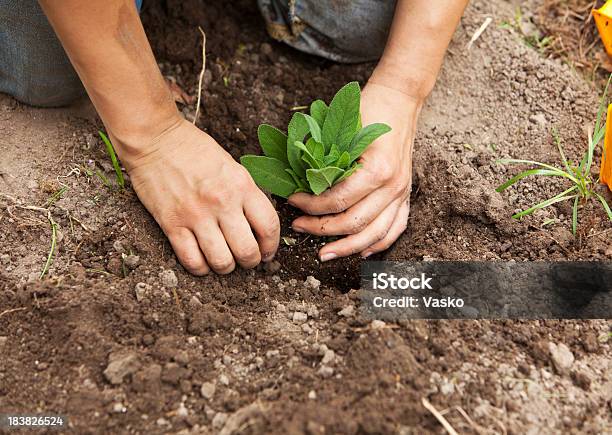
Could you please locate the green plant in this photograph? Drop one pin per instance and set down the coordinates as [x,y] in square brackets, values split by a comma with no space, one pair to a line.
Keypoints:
[582,183]
[113,156]
[319,150]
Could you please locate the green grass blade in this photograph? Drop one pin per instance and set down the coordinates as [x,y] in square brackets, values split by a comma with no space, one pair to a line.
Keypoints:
[602,106]
[113,156]
[575,215]
[605,205]
[52,249]
[558,198]
[561,172]
[598,131]
[557,140]
[590,151]
[516,178]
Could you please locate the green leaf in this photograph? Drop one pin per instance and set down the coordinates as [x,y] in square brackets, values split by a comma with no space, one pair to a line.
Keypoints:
[558,198]
[113,157]
[307,156]
[296,131]
[605,205]
[321,179]
[544,172]
[273,142]
[365,137]
[269,174]
[541,165]
[316,149]
[315,130]
[297,180]
[575,215]
[344,160]
[348,172]
[318,110]
[342,117]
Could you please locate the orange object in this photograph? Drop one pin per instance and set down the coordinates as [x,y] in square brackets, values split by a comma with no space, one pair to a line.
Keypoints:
[603,20]
[605,172]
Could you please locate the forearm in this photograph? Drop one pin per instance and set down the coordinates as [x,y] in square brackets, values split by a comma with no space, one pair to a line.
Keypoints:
[107,45]
[419,37]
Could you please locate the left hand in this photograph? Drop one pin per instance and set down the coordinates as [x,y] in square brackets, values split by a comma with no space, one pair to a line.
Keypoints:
[370,207]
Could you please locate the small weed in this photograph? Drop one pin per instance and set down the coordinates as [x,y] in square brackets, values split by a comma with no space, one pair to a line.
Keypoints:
[583,186]
[113,156]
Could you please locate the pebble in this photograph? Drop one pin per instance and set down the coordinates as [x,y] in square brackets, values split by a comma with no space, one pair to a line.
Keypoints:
[5,259]
[299,317]
[118,246]
[141,291]
[168,278]
[272,266]
[562,358]
[224,380]
[581,379]
[312,395]
[347,311]
[132,261]
[208,390]
[3,341]
[328,357]
[325,371]
[219,420]
[538,118]
[377,324]
[121,365]
[118,408]
[182,411]
[162,422]
[306,328]
[312,283]
[195,303]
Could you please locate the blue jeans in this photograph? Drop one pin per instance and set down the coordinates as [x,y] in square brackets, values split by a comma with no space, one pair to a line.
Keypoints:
[35,69]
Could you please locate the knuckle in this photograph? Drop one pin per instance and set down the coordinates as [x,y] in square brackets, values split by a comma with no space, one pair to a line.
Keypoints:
[249,256]
[271,229]
[381,234]
[193,264]
[383,172]
[358,225]
[339,204]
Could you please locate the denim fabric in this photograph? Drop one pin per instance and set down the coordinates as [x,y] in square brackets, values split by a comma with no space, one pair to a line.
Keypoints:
[340,30]
[34,67]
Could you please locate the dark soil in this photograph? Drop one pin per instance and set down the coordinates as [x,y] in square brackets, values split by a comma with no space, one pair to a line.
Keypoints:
[285,354]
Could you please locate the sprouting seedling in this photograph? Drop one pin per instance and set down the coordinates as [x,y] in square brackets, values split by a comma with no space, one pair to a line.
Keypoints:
[579,173]
[113,156]
[319,150]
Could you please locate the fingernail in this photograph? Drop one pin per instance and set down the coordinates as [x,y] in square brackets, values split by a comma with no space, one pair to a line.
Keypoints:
[366,254]
[328,256]
[297,228]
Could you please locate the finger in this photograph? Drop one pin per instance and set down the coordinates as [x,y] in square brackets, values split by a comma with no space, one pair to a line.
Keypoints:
[397,228]
[352,221]
[215,249]
[188,251]
[339,198]
[240,238]
[263,219]
[373,233]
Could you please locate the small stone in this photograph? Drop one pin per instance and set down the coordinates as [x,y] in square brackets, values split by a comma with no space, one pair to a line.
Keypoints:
[299,317]
[168,278]
[581,379]
[325,372]
[162,422]
[272,266]
[195,303]
[312,395]
[131,261]
[328,357]
[224,380]
[3,341]
[141,290]
[120,365]
[306,328]
[182,411]
[118,408]
[265,49]
[312,283]
[347,311]
[5,259]
[562,358]
[148,339]
[538,118]
[208,390]
[219,420]
[377,324]
[118,246]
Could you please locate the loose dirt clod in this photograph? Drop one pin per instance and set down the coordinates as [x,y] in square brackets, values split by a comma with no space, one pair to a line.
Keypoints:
[561,357]
[120,365]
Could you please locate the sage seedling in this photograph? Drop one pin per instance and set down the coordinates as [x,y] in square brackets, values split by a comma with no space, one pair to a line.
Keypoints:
[319,150]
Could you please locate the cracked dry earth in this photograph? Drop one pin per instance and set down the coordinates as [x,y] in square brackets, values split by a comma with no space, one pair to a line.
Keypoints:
[120,339]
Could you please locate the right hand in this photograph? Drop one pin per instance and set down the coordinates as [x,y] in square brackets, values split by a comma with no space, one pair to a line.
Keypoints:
[205,202]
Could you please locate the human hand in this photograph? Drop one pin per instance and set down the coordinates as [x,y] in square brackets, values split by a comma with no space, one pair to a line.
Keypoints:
[205,202]
[370,207]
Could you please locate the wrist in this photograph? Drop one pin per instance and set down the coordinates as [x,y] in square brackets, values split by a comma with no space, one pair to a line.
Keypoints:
[416,84]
